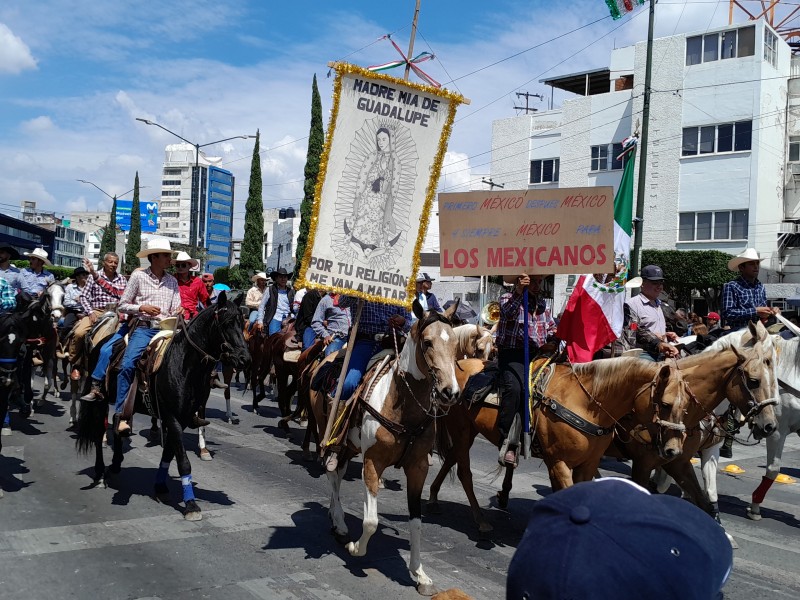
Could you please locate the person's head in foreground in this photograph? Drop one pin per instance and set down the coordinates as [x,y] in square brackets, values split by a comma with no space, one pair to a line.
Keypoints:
[612,539]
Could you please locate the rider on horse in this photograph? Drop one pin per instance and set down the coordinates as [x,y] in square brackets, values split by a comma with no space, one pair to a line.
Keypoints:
[73,309]
[8,271]
[277,302]
[254,296]
[331,323]
[36,278]
[193,290]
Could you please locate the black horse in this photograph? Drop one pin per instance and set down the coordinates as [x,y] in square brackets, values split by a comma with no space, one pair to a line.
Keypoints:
[182,384]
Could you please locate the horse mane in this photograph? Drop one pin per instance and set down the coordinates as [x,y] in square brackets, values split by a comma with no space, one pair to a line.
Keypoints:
[430,318]
[607,375]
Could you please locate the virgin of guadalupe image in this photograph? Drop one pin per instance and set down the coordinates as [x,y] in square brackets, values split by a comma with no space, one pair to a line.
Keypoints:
[374,196]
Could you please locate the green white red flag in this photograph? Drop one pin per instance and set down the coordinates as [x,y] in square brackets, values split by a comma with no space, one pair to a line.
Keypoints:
[618,8]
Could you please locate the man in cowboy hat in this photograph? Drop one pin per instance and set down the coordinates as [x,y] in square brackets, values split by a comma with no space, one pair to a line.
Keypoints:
[644,318]
[151,295]
[254,295]
[36,278]
[8,271]
[277,302]
[744,298]
[193,290]
[424,294]
[72,298]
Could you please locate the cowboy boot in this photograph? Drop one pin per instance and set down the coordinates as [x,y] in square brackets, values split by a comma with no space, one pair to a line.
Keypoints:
[508,449]
[726,451]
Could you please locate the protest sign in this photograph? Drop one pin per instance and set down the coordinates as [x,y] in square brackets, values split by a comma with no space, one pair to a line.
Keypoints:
[378,173]
[563,230]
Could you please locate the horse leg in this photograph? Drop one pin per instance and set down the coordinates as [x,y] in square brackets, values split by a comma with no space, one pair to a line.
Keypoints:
[415,480]
[201,436]
[709,460]
[433,495]
[335,511]
[505,490]
[175,441]
[682,472]
[227,377]
[160,490]
[371,473]
[775,444]
[560,475]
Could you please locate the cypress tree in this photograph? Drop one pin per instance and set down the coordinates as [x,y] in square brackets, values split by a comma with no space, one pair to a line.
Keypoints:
[253,242]
[316,140]
[135,234]
[109,241]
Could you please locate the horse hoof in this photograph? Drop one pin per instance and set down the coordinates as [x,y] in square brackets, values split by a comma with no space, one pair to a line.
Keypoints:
[484,528]
[426,589]
[153,436]
[284,426]
[308,456]
[100,484]
[381,484]
[205,454]
[234,420]
[194,515]
[502,500]
[433,508]
[6,431]
[342,538]
[753,514]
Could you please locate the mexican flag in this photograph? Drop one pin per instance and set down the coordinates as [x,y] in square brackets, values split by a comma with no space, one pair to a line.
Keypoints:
[618,8]
[594,313]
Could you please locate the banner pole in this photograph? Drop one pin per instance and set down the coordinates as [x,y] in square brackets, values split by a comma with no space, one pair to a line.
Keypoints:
[526,352]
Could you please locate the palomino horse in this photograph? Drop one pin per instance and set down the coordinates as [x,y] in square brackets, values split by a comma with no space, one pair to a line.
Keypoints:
[739,367]
[600,393]
[397,427]
[182,383]
[473,341]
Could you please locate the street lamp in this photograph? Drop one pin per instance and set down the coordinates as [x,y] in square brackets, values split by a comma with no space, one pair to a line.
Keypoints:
[196,198]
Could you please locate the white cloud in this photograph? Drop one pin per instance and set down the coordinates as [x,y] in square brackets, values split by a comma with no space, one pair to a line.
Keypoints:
[16,56]
[37,125]
[26,189]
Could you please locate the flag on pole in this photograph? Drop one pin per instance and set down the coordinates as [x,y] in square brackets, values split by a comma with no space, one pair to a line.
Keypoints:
[618,8]
[595,310]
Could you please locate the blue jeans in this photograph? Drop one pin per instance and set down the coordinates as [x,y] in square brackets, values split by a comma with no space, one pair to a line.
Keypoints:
[137,343]
[308,338]
[274,326]
[99,372]
[335,346]
[362,352]
[252,318]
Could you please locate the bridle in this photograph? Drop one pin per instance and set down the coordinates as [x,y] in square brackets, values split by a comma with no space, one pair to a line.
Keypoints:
[225,348]
[754,407]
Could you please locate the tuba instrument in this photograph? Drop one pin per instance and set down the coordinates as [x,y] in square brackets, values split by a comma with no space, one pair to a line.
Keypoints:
[490,313]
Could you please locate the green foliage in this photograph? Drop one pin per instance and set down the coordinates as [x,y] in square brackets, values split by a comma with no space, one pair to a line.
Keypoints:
[687,270]
[253,242]
[316,140]
[135,234]
[109,241]
[235,277]
[58,272]
[200,254]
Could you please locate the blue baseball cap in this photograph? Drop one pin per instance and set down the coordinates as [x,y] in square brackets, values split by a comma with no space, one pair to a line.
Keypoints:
[611,538]
[653,273]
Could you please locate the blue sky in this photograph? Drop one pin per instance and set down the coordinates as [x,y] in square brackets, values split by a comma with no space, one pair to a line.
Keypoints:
[74,74]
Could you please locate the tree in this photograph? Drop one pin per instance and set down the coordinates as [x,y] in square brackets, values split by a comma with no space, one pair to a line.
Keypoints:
[109,241]
[135,234]
[232,276]
[251,258]
[687,270]
[316,140]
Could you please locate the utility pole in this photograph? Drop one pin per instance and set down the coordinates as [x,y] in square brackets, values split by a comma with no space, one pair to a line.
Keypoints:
[636,255]
[492,184]
[527,97]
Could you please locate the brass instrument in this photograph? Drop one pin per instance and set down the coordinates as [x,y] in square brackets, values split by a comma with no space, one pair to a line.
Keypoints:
[490,313]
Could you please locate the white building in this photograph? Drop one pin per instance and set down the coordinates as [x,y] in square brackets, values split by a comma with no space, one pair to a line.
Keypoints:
[721,151]
[281,229]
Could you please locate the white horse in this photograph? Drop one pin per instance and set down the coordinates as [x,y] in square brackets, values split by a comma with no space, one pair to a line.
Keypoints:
[473,341]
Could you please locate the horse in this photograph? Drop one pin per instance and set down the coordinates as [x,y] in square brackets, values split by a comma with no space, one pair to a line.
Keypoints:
[397,427]
[182,380]
[600,392]
[474,341]
[739,367]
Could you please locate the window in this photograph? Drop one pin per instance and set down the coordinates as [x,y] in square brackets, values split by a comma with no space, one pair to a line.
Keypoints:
[171,193]
[717,225]
[734,43]
[172,171]
[170,215]
[746,45]
[544,171]
[600,158]
[713,139]
[694,50]
[770,47]
[616,161]
[794,149]
[601,161]
[170,182]
[710,47]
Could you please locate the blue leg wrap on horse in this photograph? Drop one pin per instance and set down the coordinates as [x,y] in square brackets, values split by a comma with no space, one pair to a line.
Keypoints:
[7,420]
[161,474]
[188,492]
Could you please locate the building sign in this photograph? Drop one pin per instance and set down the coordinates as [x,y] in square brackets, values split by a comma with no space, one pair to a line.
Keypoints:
[148,215]
[378,173]
[564,230]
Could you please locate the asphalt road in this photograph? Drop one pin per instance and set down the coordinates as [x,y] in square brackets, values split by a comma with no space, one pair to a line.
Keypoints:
[265,530]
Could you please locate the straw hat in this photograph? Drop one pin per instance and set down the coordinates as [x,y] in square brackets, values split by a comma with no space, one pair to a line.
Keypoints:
[155,246]
[259,275]
[184,257]
[11,251]
[41,254]
[748,255]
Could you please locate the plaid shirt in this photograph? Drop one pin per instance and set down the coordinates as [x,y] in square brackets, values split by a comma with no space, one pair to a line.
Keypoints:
[740,300]
[8,298]
[375,316]
[102,291]
[511,326]
[543,325]
[13,276]
[145,288]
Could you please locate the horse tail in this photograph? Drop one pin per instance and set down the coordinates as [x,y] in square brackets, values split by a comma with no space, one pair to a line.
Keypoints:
[91,426]
[442,443]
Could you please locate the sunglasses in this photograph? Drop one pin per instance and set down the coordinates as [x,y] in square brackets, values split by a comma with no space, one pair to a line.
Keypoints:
[162,254]
[181,265]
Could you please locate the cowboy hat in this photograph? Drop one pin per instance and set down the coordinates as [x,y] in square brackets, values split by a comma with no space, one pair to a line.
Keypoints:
[41,254]
[259,275]
[184,257]
[155,246]
[78,272]
[11,250]
[424,277]
[749,255]
[281,271]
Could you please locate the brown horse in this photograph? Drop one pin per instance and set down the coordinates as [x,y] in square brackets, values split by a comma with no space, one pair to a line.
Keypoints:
[395,425]
[600,392]
[739,367]
[263,351]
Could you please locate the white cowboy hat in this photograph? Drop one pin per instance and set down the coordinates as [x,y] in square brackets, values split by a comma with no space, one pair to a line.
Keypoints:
[259,275]
[748,255]
[184,257]
[41,254]
[155,246]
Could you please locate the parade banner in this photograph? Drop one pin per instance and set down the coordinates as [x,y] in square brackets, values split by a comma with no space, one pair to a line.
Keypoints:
[378,174]
[563,230]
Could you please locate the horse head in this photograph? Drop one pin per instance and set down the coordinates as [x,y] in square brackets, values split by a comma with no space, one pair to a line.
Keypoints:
[670,397]
[230,325]
[36,317]
[12,335]
[433,345]
[55,292]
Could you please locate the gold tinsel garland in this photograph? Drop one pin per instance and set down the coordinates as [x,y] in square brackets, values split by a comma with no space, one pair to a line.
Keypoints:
[454,100]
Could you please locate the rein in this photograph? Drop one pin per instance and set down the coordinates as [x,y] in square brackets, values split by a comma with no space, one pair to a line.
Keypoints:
[436,413]
[206,357]
[755,407]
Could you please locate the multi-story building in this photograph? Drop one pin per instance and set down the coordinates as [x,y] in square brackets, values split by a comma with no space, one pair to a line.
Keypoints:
[70,246]
[236,253]
[724,143]
[281,238]
[25,236]
[219,218]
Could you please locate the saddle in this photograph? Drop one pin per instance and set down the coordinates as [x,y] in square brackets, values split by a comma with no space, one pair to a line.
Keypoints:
[292,350]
